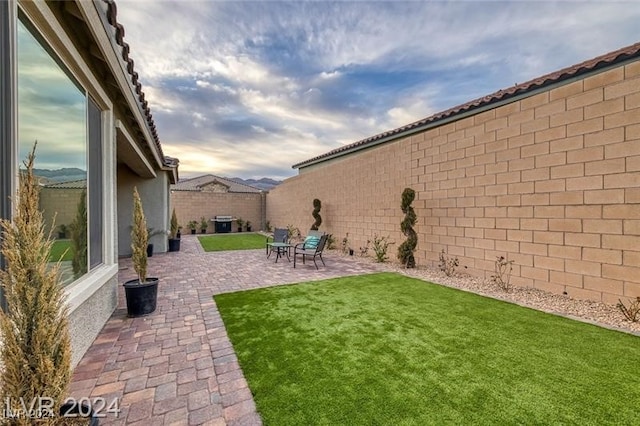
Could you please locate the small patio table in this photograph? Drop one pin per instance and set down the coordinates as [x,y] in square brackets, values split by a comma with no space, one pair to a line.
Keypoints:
[281,249]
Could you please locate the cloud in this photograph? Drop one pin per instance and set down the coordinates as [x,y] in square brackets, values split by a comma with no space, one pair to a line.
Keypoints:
[249,88]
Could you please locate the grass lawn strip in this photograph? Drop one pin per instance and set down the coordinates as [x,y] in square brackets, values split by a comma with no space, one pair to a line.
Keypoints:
[390,349]
[239,241]
[61,250]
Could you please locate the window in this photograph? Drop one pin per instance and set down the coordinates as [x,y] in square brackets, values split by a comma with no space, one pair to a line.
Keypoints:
[6,115]
[54,110]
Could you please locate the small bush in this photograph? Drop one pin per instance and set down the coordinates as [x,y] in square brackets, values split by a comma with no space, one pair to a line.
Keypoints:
[331,242]
[345,244]
[364,250]
[632,312]
[380,246]
[502,277]
[293,233]
[448,265]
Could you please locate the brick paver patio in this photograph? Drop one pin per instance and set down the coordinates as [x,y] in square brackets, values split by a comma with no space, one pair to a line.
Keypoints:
[177,366]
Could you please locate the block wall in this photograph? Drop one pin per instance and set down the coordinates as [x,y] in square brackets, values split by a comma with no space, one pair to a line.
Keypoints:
[360,195]
[551,181]
[192,205]
[59,205]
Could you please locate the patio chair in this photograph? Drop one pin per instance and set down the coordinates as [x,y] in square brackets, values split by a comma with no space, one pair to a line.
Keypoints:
[312,246]
[280,235]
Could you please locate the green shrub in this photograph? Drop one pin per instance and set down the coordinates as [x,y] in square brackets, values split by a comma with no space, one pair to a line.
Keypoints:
[406,249]
[380,246]
[316,215]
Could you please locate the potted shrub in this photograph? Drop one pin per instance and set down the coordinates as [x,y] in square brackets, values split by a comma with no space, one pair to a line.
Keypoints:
[152,233]
[248,225]
[240,222]
[141,293]
[174,233]
[193,225]
[36,351]
[62,231]
[203,225]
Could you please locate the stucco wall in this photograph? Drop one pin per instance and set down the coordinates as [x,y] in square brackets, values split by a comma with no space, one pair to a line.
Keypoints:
[192,205]
[551,181]
[86,321]
[154,197]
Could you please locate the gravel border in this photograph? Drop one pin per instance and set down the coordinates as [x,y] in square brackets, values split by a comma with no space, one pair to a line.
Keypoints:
[596,313]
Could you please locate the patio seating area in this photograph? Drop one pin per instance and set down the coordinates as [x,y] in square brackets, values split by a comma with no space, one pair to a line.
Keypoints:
[176,366]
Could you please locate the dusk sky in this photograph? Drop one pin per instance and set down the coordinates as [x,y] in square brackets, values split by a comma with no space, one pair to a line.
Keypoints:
[247,89]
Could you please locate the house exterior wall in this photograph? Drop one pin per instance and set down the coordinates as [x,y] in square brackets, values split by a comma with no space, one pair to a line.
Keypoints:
[155,203]
[192,205]
[551,181]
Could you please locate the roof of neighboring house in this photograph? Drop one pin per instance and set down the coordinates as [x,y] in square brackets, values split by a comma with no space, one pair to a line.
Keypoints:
[197,184]
[568,73]
[72,184]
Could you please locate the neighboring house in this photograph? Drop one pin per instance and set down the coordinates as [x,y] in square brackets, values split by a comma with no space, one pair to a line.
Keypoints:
[545,173]
[67,81]
[209,196]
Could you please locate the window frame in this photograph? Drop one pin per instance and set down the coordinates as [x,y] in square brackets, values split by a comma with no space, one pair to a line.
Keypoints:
[42,21]
[8,156]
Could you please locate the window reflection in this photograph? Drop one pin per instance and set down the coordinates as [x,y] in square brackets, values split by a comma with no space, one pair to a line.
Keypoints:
[52,109]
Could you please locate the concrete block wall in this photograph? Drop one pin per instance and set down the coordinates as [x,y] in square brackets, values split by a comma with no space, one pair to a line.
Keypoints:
[59,204]
[551,181]
[192,205]
[360,195]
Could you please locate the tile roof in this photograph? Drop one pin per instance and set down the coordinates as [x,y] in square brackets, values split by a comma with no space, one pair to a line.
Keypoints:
[603,61]
[197,183]
[112,12]
[73,184]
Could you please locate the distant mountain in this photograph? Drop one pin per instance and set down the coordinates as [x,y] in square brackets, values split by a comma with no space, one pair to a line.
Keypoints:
[265,184]
[66,174]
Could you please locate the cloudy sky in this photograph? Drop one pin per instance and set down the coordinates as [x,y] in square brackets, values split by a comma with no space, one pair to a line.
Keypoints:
[247,89]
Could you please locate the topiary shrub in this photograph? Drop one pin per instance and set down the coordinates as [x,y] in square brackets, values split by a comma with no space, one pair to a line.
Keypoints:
[406,249]
[316,215]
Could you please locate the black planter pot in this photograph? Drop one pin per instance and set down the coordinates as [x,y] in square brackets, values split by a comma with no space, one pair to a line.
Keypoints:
[141,298]
[248,229]
[203,231]
[174,244]
[239,229]
[77,410]
[62,235]
[149,250]
[193,231]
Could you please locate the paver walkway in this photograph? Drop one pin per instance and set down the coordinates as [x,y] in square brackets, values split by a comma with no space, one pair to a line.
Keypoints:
[177,366]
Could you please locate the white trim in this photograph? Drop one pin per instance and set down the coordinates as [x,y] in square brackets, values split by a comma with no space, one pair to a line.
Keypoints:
[120,127]
[84,287]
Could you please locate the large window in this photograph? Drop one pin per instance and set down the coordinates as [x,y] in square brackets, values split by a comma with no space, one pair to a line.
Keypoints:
[54,110]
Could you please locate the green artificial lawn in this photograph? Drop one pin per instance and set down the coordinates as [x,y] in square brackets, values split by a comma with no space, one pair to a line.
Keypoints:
[58,249]
[385,349]
[238,241]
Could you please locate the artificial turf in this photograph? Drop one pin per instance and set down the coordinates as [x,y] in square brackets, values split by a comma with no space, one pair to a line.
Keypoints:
[388,349]
[61,250]
[236,241]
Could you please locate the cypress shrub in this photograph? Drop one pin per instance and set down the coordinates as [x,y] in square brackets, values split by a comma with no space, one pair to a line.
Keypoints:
[36,351]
